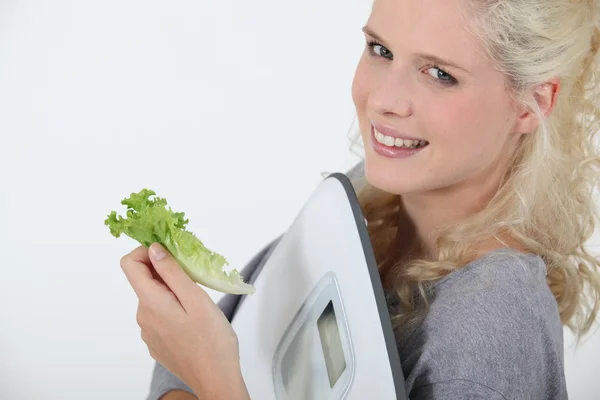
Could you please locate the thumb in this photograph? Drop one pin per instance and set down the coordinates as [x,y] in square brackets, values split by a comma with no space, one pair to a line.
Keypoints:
[173,275]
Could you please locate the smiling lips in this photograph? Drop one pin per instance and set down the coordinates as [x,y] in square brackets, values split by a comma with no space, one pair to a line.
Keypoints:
[390,137]
[391,141]
[393,144]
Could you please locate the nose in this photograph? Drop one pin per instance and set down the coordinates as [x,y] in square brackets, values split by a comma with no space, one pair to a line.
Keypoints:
[391,96]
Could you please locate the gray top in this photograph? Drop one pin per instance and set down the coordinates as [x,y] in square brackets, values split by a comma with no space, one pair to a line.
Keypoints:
[493,332]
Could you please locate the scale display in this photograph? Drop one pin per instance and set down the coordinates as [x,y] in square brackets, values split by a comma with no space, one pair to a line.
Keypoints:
[315,359]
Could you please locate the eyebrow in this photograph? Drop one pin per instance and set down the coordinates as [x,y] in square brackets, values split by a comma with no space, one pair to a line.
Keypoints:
[430,57]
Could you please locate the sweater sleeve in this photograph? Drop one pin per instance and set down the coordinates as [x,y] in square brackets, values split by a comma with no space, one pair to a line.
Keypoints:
[163,381]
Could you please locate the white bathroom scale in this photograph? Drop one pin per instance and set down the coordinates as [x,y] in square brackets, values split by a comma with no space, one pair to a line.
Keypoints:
[317,326]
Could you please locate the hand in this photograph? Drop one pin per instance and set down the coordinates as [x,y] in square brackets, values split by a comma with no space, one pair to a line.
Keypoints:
[184,329]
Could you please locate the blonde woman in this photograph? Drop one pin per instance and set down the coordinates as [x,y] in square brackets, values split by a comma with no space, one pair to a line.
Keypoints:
[477,118]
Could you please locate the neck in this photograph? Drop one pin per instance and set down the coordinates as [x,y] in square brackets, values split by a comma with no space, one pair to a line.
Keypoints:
[431,211]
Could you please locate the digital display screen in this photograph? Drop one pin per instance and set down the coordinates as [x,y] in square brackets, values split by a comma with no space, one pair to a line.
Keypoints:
[314,358]
[331,342]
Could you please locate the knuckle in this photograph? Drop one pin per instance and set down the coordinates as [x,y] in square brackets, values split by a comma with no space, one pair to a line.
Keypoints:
[128,258]
[124,261]
[144,316]
[141,318]
[169,272]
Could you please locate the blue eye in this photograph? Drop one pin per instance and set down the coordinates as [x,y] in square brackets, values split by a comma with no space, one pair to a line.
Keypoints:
[379,50]
[440,74]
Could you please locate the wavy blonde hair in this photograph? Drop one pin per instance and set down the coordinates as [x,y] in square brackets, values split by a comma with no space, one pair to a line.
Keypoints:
[546,198]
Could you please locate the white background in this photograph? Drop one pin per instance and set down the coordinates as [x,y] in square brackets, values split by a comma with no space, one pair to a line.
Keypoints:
[230,109]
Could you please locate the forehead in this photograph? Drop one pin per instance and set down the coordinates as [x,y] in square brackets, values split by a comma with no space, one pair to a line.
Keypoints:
[438,27]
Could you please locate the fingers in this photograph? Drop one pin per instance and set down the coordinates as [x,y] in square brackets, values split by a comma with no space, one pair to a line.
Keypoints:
[139,272]
[139,254]
[174,276]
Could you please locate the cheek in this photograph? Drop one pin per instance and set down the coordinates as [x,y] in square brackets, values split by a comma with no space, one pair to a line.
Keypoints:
[468,122]
[360,90]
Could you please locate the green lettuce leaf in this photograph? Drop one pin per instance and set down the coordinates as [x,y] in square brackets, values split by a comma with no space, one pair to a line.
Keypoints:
[148,220]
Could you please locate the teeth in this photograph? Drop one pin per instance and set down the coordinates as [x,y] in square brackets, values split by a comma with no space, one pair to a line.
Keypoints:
[395,142]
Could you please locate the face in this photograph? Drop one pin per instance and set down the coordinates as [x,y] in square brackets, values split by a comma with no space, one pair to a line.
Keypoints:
[446,114]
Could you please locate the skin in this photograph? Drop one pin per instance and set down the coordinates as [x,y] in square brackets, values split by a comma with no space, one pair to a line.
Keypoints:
[472,126]
[183,328]
[467,114]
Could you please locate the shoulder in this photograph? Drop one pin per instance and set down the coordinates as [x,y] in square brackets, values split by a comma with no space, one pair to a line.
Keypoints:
[495,323]
[499,301]
[499,287]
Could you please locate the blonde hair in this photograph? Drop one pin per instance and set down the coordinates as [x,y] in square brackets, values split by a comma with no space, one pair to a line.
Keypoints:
[546,199]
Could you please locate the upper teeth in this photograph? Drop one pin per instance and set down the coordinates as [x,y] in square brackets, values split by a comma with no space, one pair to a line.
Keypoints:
[396,142]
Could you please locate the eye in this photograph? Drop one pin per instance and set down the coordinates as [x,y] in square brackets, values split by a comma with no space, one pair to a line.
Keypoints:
[441,75]
[379,50]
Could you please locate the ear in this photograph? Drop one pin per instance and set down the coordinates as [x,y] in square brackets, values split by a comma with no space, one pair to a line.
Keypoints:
[545,96]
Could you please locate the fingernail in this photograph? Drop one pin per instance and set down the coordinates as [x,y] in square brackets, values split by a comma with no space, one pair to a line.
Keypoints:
[157,252]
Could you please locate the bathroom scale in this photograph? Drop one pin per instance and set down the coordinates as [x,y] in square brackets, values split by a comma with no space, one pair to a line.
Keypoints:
[317,327]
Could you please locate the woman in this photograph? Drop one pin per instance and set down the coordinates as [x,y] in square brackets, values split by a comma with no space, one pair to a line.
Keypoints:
[477,119]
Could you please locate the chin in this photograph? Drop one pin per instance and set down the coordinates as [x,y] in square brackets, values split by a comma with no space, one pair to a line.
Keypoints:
[386,175]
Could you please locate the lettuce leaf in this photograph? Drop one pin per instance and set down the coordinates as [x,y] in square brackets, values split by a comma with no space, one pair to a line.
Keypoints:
[148,220]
